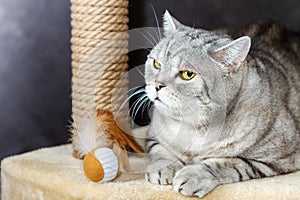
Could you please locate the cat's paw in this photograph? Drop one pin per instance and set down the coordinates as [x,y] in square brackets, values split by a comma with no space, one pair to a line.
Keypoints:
[160,172]
[194,180]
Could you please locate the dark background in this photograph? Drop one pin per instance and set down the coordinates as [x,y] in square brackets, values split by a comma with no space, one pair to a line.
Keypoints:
[35,70]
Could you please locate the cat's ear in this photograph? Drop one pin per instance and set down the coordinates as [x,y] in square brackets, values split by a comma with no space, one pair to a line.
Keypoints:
[233,54]
[170,24]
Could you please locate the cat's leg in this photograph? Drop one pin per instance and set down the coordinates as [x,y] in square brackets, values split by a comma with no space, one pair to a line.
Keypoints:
[199,179]
[163,165]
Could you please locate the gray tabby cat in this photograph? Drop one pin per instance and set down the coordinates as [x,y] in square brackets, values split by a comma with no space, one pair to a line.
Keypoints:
[193,76]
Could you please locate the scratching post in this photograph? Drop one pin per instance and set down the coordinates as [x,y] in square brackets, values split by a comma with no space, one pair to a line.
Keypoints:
[99,58]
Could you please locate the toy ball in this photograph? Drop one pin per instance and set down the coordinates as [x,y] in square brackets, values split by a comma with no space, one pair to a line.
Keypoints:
[101,164]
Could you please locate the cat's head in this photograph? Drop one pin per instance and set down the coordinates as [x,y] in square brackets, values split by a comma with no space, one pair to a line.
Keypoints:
[183,72]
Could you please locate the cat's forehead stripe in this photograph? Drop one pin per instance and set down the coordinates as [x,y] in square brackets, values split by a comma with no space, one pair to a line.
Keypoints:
[177,44]
[167,50]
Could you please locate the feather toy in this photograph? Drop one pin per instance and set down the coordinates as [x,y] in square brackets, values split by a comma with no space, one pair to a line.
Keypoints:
[104,145]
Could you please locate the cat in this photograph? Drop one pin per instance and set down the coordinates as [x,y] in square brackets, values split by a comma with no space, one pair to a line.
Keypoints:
[226,105]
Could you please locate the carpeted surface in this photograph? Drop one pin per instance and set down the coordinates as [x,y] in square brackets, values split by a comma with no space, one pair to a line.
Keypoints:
[52,173]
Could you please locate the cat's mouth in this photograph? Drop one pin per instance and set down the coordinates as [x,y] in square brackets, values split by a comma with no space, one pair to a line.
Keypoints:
[158,101]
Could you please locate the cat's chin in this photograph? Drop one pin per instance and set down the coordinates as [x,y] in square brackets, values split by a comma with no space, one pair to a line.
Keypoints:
[188,118]
[162,107]
[167,111]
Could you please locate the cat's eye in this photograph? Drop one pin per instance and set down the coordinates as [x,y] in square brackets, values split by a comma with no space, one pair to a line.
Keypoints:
[187,75]
[156,64]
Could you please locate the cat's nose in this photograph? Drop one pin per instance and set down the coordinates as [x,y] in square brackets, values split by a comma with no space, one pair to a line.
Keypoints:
[158,86]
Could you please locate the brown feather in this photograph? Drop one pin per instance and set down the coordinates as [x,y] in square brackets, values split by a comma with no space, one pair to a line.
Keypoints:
[114,133]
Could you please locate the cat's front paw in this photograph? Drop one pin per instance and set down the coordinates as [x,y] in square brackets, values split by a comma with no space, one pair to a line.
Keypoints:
[194,180]
[160,172]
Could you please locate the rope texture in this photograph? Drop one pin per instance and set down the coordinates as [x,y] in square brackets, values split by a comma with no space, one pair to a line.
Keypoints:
[99,55]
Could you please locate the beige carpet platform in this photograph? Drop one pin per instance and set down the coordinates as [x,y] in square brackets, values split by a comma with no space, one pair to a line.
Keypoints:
[52,173]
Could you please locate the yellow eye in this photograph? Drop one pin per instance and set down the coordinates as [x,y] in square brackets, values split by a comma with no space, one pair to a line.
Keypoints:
[187,75]
[156,64]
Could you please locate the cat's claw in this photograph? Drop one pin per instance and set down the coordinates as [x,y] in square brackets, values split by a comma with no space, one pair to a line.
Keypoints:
[159,173]
[190,181]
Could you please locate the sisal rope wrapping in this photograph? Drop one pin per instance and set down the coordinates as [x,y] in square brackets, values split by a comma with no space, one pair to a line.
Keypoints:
[99,46]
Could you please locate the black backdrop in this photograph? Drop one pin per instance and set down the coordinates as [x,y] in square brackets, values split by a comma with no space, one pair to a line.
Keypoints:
[35,71]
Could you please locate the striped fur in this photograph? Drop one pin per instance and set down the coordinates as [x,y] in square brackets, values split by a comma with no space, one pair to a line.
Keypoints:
[190,144]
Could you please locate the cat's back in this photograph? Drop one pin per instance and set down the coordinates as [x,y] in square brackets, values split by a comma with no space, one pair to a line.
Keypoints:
[278,52]
[270,35]
[275,42]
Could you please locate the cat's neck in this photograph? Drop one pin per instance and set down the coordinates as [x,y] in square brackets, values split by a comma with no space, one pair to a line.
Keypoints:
[234,85]
[184,122]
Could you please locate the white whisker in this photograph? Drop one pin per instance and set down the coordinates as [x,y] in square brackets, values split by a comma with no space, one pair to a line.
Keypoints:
[136,103]
[155,41]
[145,99]
[147,49]
[150,41]
[146,105]
[157,24]
[130,90]
[141,73]
[128,98]
[149,106]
